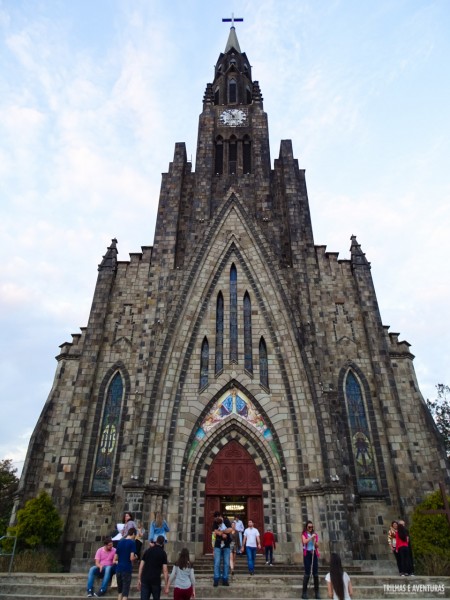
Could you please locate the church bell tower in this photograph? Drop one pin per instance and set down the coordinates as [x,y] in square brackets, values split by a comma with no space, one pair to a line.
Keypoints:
[233,156]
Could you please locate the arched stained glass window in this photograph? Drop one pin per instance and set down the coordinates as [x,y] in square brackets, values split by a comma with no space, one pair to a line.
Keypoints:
[263,364]
[204,363]
[219,334]
[363,452]
[109,435]
[248,357]
[233,315]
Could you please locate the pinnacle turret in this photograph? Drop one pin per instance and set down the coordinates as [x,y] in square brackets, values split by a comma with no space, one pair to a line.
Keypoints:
[109,261]
[358,257]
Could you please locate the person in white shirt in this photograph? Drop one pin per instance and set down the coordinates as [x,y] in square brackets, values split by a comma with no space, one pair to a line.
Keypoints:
[338,581]
[251,543]
[240,529]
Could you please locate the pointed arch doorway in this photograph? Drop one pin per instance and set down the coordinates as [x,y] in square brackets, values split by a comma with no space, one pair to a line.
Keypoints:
[233,486]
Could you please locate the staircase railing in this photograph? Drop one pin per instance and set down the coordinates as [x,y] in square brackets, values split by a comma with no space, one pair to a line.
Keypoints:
[11,554]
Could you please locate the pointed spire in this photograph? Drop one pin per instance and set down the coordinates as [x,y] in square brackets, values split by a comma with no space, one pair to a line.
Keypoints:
[232,41]
[109,261]
[358,258]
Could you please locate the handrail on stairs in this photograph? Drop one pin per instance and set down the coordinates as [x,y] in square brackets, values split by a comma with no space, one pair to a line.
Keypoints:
[11,554]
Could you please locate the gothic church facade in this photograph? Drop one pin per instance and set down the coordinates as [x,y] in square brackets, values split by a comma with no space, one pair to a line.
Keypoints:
[235,365]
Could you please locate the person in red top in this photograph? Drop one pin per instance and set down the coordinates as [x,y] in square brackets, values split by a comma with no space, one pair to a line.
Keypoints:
[269,545]
[402,548]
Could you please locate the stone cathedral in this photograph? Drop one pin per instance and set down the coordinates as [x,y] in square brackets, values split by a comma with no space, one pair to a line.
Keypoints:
[235,365]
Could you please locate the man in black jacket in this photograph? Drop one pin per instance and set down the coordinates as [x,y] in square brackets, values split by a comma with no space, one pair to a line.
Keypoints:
[152,564]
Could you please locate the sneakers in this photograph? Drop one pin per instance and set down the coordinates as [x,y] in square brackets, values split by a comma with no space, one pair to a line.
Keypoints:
[90,594]
[225,582]
[216,583]
[100,593]
[267,562]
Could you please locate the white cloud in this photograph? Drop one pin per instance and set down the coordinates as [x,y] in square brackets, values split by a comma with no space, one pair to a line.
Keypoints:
[90,122]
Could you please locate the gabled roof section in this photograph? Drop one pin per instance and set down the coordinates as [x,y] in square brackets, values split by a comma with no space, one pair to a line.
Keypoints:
[232,41]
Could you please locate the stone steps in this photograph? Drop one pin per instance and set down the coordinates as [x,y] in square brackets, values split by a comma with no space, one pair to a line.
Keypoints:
[41,586]
[204,565]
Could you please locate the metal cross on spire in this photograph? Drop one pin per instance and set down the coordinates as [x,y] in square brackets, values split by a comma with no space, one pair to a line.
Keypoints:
[232,20]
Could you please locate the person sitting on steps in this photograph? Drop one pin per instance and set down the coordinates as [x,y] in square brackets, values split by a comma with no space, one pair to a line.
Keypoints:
[104,568]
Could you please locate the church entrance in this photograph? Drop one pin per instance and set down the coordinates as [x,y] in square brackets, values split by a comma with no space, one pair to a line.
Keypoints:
[233,487]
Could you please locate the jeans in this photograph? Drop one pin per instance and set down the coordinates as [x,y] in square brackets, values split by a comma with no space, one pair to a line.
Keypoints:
[105,575]
[124,583]
[310,559]
[150,590]
[251,556]
[269,554]
[219,554]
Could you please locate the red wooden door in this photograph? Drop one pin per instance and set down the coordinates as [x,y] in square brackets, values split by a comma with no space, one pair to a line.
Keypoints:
[255,513]
[212,503]
[232,473]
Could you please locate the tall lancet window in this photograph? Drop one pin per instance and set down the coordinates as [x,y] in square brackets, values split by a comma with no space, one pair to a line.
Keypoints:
[247,155]
[232,91]
[232,156]
[233,315]
[109,435]
[218,162]
[363,451]
[204,363]
[263,364]
[219,334]
[248,357]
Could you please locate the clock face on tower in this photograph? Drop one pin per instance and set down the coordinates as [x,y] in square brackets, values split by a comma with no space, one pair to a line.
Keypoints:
[233,117]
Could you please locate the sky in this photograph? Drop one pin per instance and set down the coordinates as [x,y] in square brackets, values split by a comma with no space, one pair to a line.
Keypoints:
[95,94]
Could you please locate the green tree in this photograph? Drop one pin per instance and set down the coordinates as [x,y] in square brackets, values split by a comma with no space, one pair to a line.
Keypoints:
[38,523]
[430,535]
[440,411]
[8,485]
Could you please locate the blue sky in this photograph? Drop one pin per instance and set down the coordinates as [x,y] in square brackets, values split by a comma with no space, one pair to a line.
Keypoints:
[94,96]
